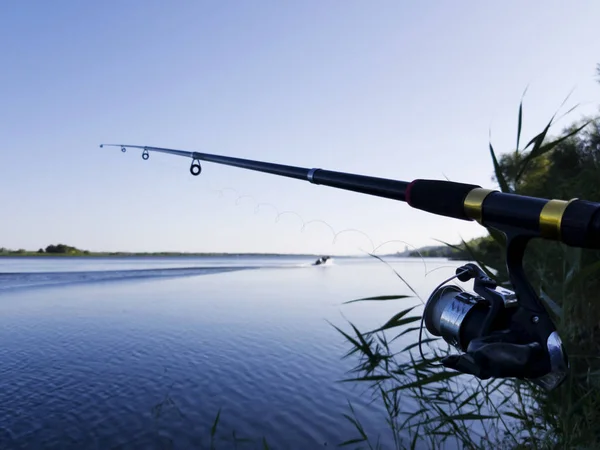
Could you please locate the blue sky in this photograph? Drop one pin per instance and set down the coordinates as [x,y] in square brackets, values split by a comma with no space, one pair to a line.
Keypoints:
[393,89]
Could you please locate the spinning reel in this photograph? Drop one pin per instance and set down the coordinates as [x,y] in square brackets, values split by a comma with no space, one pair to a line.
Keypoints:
[502,334]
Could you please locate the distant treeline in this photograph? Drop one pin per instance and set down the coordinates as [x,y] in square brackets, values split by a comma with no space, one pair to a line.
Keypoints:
[59,249]
[462,251]
[63,249]
[67,250]
[442,251]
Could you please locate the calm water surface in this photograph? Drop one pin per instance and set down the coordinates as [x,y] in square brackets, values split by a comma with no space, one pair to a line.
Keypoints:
[103,353]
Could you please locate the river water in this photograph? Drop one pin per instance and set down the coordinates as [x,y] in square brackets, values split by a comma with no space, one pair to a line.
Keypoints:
[105,353]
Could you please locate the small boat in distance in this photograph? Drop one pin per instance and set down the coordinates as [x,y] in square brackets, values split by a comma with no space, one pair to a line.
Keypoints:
[322,260]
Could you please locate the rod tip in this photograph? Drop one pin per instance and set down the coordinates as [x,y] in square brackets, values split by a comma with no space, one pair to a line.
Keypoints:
[101,145]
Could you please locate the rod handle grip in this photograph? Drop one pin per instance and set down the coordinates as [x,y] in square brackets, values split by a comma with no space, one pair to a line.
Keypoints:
[580,224]
[445,198]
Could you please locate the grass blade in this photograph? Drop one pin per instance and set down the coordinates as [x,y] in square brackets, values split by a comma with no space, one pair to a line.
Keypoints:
[570,110]
[583,274]
[394,323]
[379,298]
[539,149]
[351,441]
[213,430]
[365,347]
[413,444]
[498,236]
[397,274]
[353,341]
[239,440]
[498,170]
[357,425]
[468,416]
[436,377]
[467,400]
[368,378]
[520,121]
[551,304]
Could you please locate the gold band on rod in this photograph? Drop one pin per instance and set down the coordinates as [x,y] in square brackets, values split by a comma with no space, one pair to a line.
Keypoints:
[474,201]
[551,218]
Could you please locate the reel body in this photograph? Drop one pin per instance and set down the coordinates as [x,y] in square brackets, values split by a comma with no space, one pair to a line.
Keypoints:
[499,336]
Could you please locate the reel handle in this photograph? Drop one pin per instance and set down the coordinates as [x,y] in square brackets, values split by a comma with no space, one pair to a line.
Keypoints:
[498,356]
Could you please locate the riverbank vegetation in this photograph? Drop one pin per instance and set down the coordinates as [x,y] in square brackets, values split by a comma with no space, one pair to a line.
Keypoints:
[505,413]
[50,250]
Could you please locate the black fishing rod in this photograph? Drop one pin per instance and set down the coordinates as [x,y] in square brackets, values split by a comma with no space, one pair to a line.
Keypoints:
[501,333]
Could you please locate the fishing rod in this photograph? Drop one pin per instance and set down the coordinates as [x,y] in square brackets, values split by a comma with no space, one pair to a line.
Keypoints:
[500,333]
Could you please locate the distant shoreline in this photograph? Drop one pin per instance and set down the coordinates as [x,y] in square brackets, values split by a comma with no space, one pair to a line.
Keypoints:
[141,254]
[173,254]
[62,250]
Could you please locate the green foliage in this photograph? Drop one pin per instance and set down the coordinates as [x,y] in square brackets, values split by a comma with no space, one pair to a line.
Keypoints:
[63,249]
[440,251]
[51,250]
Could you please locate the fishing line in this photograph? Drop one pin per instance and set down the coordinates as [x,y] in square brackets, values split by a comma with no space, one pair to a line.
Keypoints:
[335,234]
[257,207]
[223,190]
[304,223]
[289,212]
[237,201]
[355,231]
[318,221]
